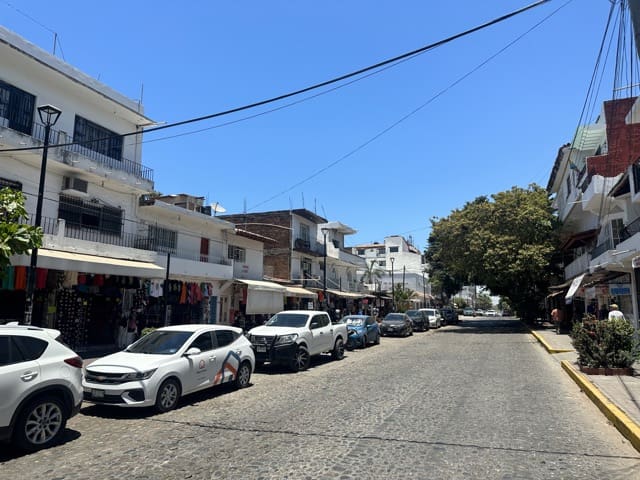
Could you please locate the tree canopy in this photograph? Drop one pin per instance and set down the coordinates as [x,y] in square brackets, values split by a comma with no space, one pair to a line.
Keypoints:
[15,237]
[504,242]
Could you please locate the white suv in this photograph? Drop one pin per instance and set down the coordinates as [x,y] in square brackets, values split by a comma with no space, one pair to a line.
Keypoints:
[41,385]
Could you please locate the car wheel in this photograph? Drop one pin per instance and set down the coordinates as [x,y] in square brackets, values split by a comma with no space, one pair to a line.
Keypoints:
[168,395]
[365,341]
[338,350]
[300,360]
[244,375]
[40,424]
[377,340]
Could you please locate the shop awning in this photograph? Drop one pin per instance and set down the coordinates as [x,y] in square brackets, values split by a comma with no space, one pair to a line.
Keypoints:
[339,293]
[575,284]
[300,292]
[82,262]
[263,297]
[262,285]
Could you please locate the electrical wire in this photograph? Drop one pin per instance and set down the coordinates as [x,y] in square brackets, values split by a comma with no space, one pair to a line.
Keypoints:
[316,86]
[412,112]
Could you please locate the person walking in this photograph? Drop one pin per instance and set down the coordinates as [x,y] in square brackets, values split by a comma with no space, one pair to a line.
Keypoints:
[615,313]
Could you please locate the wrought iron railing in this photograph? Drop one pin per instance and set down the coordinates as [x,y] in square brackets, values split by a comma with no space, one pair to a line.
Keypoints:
[57,137]
[601,248]
[630,230]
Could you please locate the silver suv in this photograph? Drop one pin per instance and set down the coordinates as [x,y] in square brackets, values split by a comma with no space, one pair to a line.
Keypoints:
[40,385]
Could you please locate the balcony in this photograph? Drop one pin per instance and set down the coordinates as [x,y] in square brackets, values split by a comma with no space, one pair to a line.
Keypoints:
[56,227]
[579,265]
[601,248]
[74,153]
[594,192]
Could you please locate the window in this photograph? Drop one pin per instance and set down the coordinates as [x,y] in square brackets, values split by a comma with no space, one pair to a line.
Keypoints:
[393,249]
[305,266]
[203,342]
[17,106]
[99,139]
[361,251]
[162,239]
[225,337]
[304,233]
[381,251]
[30,348]
[236,253]
[83,214]
[616,228]
[382,263]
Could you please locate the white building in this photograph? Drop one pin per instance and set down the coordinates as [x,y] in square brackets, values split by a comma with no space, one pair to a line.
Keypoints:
[109,243]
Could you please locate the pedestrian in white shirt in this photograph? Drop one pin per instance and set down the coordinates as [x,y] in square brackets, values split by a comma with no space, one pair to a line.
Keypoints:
[614,312]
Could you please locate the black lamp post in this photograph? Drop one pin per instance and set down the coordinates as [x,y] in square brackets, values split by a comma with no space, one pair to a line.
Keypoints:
[48,116]
[324,267]
[393,286]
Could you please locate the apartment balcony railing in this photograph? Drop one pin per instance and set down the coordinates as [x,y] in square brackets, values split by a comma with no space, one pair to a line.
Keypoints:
[57,137]
[51,226]
[630,230]
[601,248]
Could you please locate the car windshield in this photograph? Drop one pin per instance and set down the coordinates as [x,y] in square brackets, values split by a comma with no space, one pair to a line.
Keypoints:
[413,313]
[430,312]
[160,342]
[355,321]
[394,317]
[295,320]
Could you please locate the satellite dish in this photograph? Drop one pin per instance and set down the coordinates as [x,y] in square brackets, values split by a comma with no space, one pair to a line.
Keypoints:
[217,208]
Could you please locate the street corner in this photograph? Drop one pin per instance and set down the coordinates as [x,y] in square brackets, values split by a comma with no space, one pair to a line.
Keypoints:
[623,423]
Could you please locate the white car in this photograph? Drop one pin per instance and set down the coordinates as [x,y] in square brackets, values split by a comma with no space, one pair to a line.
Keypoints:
[435,319]
[168,363]
[40,386]
[491,313]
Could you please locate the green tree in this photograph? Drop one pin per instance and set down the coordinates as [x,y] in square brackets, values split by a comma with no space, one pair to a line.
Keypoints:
[504,242]
[483,301]
[15,237]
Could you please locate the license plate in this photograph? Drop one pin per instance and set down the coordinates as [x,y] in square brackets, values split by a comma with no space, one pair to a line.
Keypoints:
[97,393]
[261,348]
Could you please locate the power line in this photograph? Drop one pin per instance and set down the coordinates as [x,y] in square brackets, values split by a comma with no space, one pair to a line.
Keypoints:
[325,83]
[413,112]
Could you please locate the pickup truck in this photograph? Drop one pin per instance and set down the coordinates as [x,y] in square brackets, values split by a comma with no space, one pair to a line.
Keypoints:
[292,337]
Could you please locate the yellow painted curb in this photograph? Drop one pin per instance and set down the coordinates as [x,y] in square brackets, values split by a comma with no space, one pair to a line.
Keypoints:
[627,427]
[548,347]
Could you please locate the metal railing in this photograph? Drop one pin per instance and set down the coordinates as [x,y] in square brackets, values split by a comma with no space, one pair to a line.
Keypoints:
[601,248]
[630,230]
[57,137]
[129,240]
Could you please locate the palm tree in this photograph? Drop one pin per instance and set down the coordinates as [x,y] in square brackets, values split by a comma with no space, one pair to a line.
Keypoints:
[371,274]
[403,298]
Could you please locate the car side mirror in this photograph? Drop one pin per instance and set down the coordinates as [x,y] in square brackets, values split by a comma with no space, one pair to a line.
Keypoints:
[192,351]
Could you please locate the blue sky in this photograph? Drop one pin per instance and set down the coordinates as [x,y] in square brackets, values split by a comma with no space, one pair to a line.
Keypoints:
[499,127]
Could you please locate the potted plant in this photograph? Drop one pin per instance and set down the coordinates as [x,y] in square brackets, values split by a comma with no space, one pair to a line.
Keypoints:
[605,347]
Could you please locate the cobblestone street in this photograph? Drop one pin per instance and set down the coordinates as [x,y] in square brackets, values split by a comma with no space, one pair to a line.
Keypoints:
[479,400]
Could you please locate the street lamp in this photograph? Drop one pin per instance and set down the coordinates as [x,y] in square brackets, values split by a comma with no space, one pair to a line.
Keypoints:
[48,116]
[324,266]
[393,287]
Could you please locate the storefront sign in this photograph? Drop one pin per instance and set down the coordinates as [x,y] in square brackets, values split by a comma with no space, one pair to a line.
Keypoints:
[620,289]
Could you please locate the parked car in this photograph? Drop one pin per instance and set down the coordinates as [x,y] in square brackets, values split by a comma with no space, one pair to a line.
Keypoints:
[449,315]
[491,313]
[396,324]
[168,363]
[470,312]
[292,337]
[361,330]
[433,314]
[40,385]
[419,320]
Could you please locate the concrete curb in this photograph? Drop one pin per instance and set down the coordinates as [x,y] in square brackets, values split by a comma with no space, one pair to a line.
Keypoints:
[627,427]
[548,347]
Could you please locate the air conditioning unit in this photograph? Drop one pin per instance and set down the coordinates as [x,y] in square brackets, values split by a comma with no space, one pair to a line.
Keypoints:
[72,185]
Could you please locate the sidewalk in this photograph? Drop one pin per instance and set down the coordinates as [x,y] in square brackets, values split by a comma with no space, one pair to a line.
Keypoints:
[618,397]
